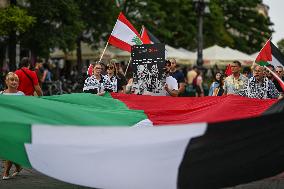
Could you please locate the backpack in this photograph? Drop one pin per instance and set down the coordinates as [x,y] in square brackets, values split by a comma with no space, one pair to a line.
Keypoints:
[194,81]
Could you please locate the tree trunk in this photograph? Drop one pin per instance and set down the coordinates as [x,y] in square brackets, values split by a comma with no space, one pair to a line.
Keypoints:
[79,56]
[2,56]
[12,42]
[12,51]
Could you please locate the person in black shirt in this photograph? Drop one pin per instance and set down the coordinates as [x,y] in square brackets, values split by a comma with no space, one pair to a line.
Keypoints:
[121,80]
[178,75]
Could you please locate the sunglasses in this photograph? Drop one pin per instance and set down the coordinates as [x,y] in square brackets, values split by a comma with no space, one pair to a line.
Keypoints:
[110,67]
[278,71]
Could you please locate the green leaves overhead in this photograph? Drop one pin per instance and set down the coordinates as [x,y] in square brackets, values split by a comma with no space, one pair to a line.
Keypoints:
[14,19]
[48,24]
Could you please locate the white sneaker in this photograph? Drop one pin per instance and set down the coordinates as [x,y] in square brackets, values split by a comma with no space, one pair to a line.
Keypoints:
[5,178]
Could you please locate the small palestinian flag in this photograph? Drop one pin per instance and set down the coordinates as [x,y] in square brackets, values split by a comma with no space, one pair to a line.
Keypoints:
[124,35]
[270,54]
[147,37]
[132,141]
[228,70]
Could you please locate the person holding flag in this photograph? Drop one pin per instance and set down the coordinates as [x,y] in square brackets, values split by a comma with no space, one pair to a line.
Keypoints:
[259,86]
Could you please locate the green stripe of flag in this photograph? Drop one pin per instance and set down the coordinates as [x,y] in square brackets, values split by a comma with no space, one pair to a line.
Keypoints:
[263,63]
[18,113]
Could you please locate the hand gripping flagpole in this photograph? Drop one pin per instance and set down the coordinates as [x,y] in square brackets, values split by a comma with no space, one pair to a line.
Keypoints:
[276,77]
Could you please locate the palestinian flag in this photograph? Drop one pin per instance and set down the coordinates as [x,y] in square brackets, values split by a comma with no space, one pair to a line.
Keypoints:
[147,37]
[130,141]
[270,54]
[228,70]
[124,35]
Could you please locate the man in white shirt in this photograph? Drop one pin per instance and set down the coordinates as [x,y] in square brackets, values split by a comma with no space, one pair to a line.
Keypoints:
[171,86]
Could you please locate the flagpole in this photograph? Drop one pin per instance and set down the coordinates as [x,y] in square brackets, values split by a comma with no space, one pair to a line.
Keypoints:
[276,76]
[130,55]
[103,51]
[261,50]
[127,66]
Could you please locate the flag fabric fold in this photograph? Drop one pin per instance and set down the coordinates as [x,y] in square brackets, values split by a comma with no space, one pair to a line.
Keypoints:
[124,35]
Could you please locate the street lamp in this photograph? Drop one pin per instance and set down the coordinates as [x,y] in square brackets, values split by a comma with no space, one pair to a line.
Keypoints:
[201,7]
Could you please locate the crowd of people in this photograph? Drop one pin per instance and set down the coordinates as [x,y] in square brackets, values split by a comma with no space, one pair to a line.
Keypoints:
[259,84]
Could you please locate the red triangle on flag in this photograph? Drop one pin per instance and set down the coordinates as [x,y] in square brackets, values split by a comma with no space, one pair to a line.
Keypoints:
[144,36]
[265,53]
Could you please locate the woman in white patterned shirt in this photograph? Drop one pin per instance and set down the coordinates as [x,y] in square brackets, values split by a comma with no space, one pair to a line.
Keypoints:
[94,84]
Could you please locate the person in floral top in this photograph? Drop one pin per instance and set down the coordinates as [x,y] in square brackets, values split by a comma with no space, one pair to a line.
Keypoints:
[259,86]
[235,82]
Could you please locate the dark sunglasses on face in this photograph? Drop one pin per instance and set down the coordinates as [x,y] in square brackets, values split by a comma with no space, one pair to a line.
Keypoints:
[110,67]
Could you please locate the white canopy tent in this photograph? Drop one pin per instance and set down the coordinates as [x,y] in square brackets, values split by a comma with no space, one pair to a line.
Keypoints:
[223,56]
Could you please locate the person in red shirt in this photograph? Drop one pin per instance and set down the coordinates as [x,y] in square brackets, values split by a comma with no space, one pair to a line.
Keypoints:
[28,79]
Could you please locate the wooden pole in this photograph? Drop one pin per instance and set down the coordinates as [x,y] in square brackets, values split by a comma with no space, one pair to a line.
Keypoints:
[103,52]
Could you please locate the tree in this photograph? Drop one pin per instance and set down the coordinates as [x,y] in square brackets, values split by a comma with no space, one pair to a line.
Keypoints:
[58,25]
[13,20]
[245,25]
[236,24]
[281,45]
[98,17]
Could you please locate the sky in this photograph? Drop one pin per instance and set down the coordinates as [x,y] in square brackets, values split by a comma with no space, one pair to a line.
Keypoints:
[276,15]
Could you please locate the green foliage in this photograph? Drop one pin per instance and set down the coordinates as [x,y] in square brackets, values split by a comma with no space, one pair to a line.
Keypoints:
[281,45]
[58,25]
[14,19]
[245,25]
[233,23]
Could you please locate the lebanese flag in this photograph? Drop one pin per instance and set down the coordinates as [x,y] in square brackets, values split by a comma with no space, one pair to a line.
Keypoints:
[133,141]
[270,54]
[124,35]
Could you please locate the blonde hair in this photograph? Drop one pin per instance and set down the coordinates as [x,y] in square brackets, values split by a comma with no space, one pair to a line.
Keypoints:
[11,75]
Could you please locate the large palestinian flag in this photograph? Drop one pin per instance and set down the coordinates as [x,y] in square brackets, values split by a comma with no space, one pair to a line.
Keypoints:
[131,141]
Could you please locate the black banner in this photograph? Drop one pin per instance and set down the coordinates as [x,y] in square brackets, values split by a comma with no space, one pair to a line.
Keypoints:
[148,62]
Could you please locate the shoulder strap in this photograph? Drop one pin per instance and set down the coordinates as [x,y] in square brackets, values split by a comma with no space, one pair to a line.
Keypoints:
[28,77]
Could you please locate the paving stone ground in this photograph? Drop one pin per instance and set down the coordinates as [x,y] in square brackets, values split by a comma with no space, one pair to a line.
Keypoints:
[31,179]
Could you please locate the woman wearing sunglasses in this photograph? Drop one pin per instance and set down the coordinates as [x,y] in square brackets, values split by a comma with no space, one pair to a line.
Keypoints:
[113,81]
